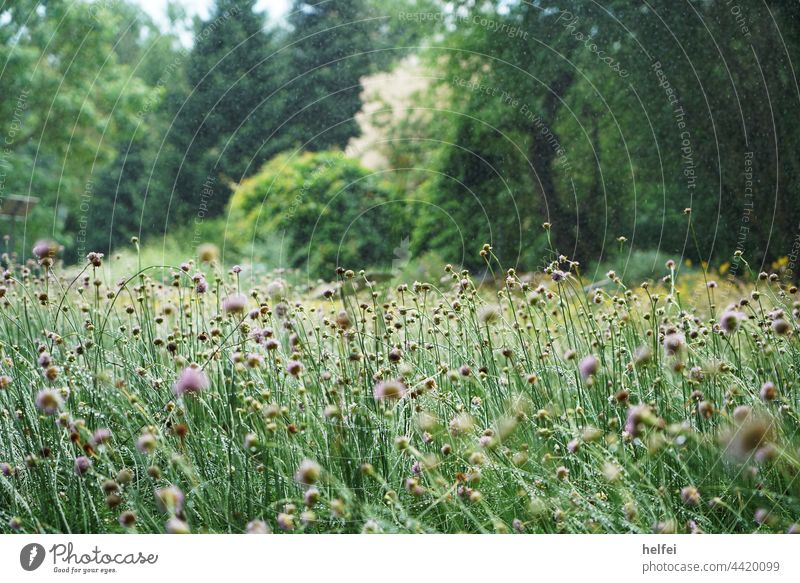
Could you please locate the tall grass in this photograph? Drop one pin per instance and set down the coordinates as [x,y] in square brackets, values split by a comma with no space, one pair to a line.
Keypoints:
[527,404]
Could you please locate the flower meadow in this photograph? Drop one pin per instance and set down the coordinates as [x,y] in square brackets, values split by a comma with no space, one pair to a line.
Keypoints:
[198,398]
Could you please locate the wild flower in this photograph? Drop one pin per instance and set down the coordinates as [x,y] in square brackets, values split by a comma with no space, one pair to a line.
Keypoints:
[308,472]
[146,443]
[49,401]
[176,526]
[101,436]
[389,390]
[192,380]
[257,527]
[285,521]
[169,499]
[589,366]
[690,496]
[639,417]
[768,392]
[674,343]
[45,248]
[82,465]
[234,304]
[729,321]
[294,368]
[127,519]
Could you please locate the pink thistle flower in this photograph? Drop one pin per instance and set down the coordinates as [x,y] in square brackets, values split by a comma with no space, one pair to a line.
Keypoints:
[82,465]
[389,390]
[49,401]
[589,366]
[191,381]
[169,499]
[234,304]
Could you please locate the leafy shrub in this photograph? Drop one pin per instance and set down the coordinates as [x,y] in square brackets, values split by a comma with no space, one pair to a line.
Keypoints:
[324,208]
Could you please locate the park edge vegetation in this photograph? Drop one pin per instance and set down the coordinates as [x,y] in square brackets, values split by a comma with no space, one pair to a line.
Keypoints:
[476,120]
[176,400]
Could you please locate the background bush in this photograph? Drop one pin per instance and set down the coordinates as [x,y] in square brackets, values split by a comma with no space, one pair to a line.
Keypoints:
[319,211]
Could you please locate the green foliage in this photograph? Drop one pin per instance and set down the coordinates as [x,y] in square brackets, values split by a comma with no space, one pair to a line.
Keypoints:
[566,120]
[330,44]
[324,209]
[223,119]
[495,421]
[67,98]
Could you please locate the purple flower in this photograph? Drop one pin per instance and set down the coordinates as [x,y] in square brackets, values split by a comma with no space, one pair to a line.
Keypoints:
[191,381]
[389,390]
[101,436]
[234,304]
[257,527]
[307,472]
[45,248]
[637,416]
[49,401]
[589,366]
[729,321]
[673,343]
[82,465]
[169,499]
[285,521]
[146,443]
[294,368]
[177,526]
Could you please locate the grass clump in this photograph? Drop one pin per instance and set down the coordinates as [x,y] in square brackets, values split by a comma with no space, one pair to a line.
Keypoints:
[178,400]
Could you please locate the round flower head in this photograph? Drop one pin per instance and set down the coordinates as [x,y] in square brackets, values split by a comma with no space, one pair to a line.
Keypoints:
[729,321]
[589,366]
[389,390]
[49,401]
[257,527]
[638,417]
[127,519]
[234,304]
[45,248]
[285,521]
[307,472]
[82,465]
[294,368]
[781,326]
[169,499]
[276,289]
[177,526]
[690,496]
[207,252]
[489,314]
[146,443]
[768,392]
[192,380]
[673,343]
[101,436]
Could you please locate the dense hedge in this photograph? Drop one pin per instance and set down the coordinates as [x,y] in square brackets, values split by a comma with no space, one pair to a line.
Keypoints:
[318,211]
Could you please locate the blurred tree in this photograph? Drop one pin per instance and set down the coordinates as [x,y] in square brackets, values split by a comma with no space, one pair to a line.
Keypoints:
[330,46]
[608,121]
[317,211]
[67,98]
[223,126]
